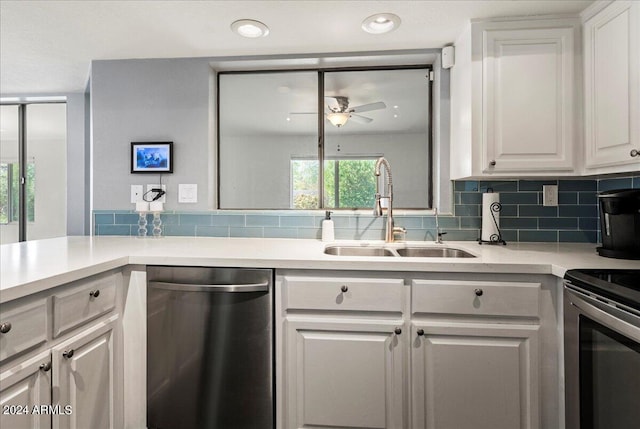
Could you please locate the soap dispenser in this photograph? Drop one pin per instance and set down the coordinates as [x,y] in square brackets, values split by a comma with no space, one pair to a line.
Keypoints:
[327,227]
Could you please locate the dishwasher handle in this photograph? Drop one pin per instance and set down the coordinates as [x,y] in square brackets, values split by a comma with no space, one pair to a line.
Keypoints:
[185,287]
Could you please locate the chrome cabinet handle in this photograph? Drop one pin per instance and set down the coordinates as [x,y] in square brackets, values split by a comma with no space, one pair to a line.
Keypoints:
[344,288]
[397,331]
[45,366]
[94,293]
[492,163]
[478,292]
[634,153]
[68,354]
[5,327]
[420,332]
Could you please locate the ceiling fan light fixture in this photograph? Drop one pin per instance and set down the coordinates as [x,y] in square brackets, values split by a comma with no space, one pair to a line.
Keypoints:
[250,28]
[338,119]
[381,23]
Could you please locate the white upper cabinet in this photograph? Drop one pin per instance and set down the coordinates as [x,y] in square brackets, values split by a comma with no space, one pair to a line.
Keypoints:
[514,99]
[612,88]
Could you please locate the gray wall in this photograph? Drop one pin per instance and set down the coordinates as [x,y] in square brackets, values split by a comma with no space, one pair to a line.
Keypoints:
[166,100]
[150,100]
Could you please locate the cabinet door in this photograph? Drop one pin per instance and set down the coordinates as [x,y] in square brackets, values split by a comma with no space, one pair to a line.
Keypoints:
[612,86]
[83,378]
[481,376]
[344,374]
[24,387]
[528,90]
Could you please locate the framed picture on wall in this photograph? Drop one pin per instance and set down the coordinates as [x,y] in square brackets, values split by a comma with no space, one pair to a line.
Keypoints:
[152,157]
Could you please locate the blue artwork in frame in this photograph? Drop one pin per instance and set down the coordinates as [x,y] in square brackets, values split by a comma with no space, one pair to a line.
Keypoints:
[152,157]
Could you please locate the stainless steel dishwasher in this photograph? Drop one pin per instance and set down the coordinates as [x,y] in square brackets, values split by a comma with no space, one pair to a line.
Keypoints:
[209,348]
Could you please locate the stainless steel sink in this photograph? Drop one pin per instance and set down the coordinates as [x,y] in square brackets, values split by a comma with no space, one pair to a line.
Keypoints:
[358,251]
[411,251]
[434,252]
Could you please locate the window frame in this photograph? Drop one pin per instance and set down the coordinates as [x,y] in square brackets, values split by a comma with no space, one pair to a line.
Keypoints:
[321,128]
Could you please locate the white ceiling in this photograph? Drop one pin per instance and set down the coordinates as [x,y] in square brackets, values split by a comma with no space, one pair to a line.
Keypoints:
[46,46]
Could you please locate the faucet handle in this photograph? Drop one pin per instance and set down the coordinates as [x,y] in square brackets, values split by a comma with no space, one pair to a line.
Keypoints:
[400,230]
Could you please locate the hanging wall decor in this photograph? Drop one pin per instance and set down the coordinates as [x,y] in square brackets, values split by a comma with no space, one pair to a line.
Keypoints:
[152,157]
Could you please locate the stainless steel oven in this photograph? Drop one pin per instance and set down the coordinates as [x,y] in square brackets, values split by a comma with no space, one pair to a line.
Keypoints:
[602,349]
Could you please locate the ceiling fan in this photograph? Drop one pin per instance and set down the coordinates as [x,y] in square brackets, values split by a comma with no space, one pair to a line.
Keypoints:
[339,112]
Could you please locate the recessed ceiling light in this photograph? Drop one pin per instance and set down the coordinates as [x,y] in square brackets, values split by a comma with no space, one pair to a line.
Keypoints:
[381,23]
[288,119]
[250,28]
[395,107]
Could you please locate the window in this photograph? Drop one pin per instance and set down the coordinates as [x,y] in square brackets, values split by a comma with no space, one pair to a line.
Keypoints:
[276,128]
[9,192]
[33,133]
[349,183]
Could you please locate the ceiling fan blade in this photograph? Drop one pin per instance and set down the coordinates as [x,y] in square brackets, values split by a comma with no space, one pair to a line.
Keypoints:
[361,119]
[331,102]
[368,107]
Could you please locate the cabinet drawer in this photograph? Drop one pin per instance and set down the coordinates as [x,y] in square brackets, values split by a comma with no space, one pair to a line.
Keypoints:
[310,293]
[24,325]
[476,298]
[87,300]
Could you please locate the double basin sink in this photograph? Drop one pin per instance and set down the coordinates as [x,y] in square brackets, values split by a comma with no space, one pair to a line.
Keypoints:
[406,251]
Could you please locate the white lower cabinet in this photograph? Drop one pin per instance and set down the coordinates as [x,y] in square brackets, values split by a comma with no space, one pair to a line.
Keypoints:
[23,389]
[83,379]
[59,367]
[68,386]
[426,353]
[344,374]
[474,376]
[475,354]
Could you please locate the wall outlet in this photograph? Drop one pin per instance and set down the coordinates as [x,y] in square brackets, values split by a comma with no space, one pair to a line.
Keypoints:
[136,193]
[550,195]
[150,195]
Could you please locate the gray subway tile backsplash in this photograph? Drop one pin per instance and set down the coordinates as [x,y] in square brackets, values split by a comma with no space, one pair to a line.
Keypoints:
[523,217]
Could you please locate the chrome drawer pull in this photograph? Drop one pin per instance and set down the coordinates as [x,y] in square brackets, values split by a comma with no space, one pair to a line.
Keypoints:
[68,354]
[45,366]
[478,292]
[344,288]
[397,331]
[94,293]
[5,327]
[420,332]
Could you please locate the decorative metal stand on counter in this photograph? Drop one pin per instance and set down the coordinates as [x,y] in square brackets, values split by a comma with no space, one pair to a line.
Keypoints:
[494,238]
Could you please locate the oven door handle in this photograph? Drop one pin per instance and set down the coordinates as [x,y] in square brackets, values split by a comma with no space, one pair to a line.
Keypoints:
[618,320]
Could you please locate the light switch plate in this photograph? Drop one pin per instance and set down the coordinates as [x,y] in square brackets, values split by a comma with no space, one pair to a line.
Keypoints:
[550,195]
[136,193]
[188,193]
[163,199]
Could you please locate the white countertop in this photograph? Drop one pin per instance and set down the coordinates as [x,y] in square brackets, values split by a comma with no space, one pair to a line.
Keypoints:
[34,266]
